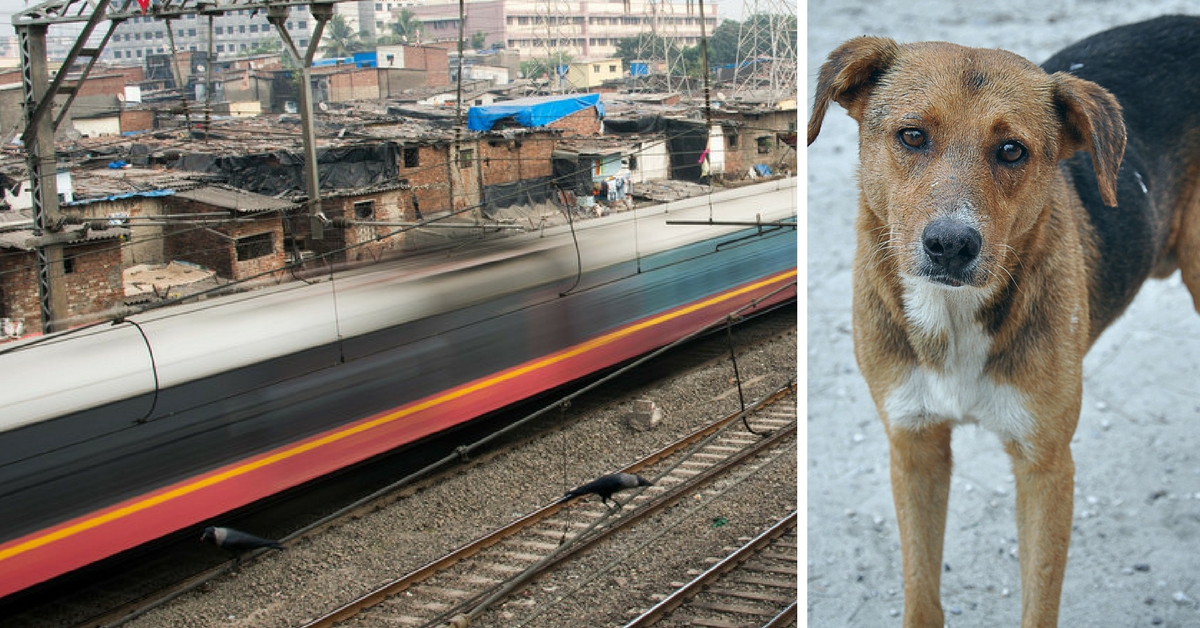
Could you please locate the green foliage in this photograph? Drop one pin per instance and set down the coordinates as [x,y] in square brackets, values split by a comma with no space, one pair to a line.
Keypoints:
[267,46]
[723,44]
[646,46]
[341,40]
[406,29]
[545,68]
[478,39]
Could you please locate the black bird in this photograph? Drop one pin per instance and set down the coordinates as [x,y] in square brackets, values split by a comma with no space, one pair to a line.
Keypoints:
[607,485]
[236,540]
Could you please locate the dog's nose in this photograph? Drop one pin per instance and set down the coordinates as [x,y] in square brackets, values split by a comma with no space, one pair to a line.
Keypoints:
[951,245]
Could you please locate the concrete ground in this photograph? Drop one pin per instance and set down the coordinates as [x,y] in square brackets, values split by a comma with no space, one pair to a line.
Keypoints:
[1135,552]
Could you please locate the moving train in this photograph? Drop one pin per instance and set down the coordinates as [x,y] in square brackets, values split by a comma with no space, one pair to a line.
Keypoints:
[116,435]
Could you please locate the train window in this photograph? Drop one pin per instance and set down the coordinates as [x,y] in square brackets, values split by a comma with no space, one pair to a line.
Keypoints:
[364,210]
[257,245]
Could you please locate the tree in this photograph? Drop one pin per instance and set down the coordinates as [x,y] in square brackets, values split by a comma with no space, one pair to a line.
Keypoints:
[478,39]
[535,68]
[267,46]
[341,40]
[723,43]
[406,29]
[646,46]
[767,23]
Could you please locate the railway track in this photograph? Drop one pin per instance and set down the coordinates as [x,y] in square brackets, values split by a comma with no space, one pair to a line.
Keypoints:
[457,588]
[753,587]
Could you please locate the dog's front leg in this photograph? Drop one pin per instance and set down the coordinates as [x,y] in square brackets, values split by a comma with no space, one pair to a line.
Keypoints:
[920,466]
[1045,502]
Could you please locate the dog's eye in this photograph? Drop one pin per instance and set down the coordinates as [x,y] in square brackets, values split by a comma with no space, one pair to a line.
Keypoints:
[912,138]
[1011,152]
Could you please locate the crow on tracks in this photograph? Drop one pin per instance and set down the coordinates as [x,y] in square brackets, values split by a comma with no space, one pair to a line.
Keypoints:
[236,540]
[607,485]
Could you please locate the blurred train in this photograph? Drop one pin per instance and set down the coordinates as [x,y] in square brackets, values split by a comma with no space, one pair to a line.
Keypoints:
[120,434]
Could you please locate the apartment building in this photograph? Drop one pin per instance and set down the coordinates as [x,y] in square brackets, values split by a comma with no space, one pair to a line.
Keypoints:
[234,33]
[588,29]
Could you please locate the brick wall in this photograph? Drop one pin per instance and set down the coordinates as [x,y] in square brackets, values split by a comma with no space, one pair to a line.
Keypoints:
[371,242]
[137,120]
[354,85]
[435,62]
[214,246]
[429,177]
[18,289]
[583,122]
[93,285]
[510,160]
[107,85]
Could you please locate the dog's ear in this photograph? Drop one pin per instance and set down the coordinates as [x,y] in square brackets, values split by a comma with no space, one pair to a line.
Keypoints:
[1091,121]
[848,76]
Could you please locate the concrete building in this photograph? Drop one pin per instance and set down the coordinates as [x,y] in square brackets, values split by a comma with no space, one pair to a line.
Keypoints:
[586,30]
[235,33]
[585,75]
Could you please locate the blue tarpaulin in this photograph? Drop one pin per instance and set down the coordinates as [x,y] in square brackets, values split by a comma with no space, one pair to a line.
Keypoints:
[532,112]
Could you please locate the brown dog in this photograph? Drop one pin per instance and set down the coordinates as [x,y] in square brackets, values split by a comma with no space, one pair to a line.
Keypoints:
[1004,221]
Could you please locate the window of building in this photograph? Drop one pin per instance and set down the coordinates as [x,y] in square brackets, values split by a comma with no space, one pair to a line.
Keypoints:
[596,68]
[241,28]
[303,23]
[254,28]
[220,30]
[220,47]
[258,245]
[764,144]
[191,32]
[364,210]
[612,68]
[378,6]
[731,139]
[465,156]
[303,43]
[412,157]
[68,264]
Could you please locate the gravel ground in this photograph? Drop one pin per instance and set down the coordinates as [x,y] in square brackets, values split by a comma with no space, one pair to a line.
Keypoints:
[1133,558]
[321,572]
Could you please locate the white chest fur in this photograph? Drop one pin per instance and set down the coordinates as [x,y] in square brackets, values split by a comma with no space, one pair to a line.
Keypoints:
[960,391]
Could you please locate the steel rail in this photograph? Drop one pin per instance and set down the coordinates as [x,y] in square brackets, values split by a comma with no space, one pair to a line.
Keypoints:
[702,581]
[581,542]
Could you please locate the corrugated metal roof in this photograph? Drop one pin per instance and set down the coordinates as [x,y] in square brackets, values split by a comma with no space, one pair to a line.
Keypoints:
[21,240]
[232,198]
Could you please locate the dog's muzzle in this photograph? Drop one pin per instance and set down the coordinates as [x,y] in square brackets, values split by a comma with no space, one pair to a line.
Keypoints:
[951,249]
